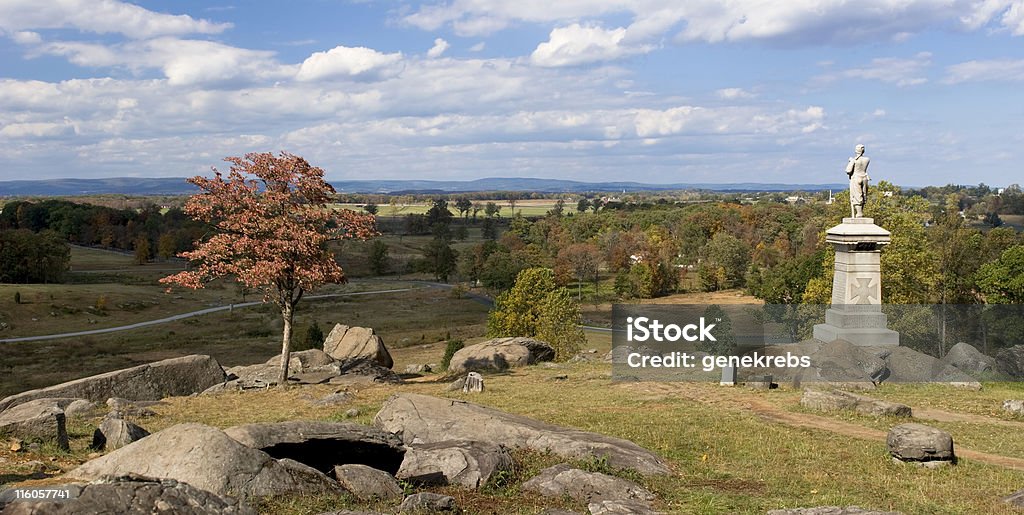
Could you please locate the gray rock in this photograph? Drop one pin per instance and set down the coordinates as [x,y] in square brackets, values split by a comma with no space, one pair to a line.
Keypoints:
[562,481]
[418,369]
[132,496]
[968,359]
[831,510]
[206,458]
[427,502]
[354,344]
[351,413]
[125,408]
[153,381]
[1014,407]
[365,372]
[456,385]
[251,376]
[837,400]
[844,361]
[469,464]
[303,360]
[423,419]
[231,385]
[474,383]
[621,508]
[1010,361]
[79,407]
[334,399]
[40,419]
[1015,499]
[920,443]
[909,366]
[500,354]
[368,483]
[322,445]
[115,433]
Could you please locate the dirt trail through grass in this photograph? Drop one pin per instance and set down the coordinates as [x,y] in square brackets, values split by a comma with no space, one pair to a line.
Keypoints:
[738,399]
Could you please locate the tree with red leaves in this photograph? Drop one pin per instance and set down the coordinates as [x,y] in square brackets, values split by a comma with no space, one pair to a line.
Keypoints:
[270,229]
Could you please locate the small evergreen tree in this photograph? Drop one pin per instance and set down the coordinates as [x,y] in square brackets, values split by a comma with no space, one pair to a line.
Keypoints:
[450,349]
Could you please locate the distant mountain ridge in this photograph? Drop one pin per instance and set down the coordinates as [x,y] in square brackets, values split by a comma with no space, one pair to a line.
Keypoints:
[178,186]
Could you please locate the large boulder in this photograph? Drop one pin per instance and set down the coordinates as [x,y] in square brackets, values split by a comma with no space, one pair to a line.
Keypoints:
[41,419]
[322,445]
[501,354]
[153,381]
[350,344]
[469,464]
[421,419]
[128,495]
[368,483]
[968,359]
[838,400]
[562,481]
[1010,361]
[920,443]
[206,458]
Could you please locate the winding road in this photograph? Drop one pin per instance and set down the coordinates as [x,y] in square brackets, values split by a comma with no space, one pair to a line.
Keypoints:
[183,316]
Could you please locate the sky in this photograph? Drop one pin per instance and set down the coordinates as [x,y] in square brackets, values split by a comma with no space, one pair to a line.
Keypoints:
[655,91]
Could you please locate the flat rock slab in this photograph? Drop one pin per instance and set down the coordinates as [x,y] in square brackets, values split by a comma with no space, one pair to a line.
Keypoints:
[918,442]
[500,354]
[206,458]
[153,381]
[368,483]
[469,464]
[40,419]
[322,445]
[421,419]
[831,510]
[838,400]
[133,496]
[427,502]
[621,508]
[563,481]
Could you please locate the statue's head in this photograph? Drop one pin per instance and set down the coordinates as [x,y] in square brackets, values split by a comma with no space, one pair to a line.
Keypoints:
[859,149]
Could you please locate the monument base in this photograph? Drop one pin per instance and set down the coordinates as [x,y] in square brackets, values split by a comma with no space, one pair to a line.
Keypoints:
[858,336]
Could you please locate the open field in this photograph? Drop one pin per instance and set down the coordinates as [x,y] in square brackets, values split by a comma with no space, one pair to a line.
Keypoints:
[532,207]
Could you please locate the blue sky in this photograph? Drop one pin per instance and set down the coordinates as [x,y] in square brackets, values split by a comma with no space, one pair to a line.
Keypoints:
[655,91]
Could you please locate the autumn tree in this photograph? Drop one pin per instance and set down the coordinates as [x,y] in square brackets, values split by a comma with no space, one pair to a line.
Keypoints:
[141,251]
[270,228]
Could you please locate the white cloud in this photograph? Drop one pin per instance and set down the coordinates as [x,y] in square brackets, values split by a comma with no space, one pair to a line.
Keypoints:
[794,21]
[734,94]
[101,17]
[479,47]
[342,61]
[26,37]
[182,61]
[902,72]
[985,70]
[578,44]
[439,47]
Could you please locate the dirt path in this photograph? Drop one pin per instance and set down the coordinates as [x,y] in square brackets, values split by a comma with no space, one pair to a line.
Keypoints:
[738,399]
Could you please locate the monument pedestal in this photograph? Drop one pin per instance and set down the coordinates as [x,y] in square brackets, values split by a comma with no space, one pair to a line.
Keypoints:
[856,312]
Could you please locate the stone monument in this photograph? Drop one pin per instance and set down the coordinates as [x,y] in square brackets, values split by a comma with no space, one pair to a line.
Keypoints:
[856,311]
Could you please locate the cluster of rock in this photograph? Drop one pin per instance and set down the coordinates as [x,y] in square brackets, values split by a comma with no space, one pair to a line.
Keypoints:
[425,441]
[841,363]
[349,354]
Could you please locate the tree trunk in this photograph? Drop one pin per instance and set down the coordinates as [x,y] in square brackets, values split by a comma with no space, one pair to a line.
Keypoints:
[287,314]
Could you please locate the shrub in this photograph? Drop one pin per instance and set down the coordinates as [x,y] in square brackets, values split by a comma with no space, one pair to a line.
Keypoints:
[313,339]
[449,351]
[17,297]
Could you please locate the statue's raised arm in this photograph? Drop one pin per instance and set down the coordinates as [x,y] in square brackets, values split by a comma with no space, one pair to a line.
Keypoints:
[857,171]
